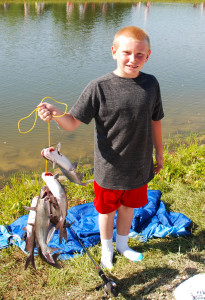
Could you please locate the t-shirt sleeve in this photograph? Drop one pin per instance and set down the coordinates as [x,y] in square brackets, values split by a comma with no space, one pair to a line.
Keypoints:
[158,112]
[87,104]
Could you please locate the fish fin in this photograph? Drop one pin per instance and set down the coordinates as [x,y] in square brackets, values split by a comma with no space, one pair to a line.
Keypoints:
[65,234]
[62,234]
[30,259]
[49,258]
[51,231]
[29,208]
[56,176]
[80,177]
[55,257]
[58,147]
[54,249]
[67,224]
[74,165]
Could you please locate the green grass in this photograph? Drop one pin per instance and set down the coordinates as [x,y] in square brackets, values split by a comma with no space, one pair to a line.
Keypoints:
[166,263]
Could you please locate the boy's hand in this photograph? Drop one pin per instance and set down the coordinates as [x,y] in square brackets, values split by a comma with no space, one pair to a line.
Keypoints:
[46,111]
[159,164]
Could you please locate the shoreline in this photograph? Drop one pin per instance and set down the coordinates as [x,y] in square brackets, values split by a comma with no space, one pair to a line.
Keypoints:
[170,142]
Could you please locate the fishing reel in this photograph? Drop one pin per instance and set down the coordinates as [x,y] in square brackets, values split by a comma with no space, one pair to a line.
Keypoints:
[108,286]
[111,287]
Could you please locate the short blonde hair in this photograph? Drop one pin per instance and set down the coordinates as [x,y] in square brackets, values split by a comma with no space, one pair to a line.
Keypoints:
[132,32]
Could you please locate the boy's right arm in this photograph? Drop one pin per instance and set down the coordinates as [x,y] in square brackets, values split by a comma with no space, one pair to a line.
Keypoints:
[47,112]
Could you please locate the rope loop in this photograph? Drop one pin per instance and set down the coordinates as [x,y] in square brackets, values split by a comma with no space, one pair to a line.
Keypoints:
[36,112]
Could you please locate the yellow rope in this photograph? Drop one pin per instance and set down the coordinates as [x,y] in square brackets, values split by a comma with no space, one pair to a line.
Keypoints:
[36,111]
[49,143]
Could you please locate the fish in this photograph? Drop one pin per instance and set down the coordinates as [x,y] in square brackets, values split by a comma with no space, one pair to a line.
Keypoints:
[55,215]
[43,227]
[67,168]
[58,191]
[30,228]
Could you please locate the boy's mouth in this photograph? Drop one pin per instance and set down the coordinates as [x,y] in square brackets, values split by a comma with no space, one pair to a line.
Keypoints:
[132,67]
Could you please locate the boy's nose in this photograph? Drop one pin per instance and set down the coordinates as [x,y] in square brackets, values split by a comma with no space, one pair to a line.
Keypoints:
[132,57]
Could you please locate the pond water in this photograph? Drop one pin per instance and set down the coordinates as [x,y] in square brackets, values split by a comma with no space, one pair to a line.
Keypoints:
[56,49]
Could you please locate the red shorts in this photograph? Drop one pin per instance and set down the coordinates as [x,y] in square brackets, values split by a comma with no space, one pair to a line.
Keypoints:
[107,200]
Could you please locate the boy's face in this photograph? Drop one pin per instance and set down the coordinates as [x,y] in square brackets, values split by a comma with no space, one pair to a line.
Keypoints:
[131,55]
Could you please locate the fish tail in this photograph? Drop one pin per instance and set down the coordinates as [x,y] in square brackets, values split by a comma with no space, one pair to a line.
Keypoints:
[46,256]
[55,257]
[49,258]
[30,259]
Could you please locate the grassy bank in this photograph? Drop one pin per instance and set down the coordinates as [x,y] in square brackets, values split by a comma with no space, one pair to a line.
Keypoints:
[166,263]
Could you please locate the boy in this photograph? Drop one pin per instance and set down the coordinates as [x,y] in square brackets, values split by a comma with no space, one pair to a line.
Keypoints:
[126,105]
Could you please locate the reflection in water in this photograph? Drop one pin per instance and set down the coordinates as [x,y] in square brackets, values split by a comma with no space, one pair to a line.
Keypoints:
[69,7]
[40,7]
[146,11]
[55,49]
[26,9]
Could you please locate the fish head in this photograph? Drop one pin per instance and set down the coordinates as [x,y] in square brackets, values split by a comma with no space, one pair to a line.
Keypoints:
[44,191]
[47,175]
[48,153]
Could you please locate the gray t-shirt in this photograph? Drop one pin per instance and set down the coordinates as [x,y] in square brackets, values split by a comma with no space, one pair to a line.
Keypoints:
[123,109]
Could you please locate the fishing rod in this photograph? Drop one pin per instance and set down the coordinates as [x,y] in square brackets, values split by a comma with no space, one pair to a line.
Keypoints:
[109,285]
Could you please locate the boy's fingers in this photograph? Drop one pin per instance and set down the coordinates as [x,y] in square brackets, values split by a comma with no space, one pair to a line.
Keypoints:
[157,168]
[44,114]
[41,105]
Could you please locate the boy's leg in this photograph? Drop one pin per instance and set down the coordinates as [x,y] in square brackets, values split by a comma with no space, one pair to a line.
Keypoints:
[106,224]
[124,221]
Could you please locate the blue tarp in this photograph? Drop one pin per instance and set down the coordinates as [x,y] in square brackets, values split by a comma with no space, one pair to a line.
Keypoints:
[152,220]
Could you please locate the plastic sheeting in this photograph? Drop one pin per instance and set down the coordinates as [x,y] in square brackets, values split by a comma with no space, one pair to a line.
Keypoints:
[152,220]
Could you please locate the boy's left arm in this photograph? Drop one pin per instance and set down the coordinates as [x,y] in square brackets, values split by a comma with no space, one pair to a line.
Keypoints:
[157,139]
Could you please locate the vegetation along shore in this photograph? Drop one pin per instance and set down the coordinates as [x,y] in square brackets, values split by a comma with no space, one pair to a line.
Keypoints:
[167,261]
[101,1]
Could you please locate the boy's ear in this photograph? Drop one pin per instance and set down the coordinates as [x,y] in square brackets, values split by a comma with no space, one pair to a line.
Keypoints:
[113,52]
[148,55]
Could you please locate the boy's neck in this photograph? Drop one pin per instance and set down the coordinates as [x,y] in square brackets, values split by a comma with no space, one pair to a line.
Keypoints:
[119,74]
